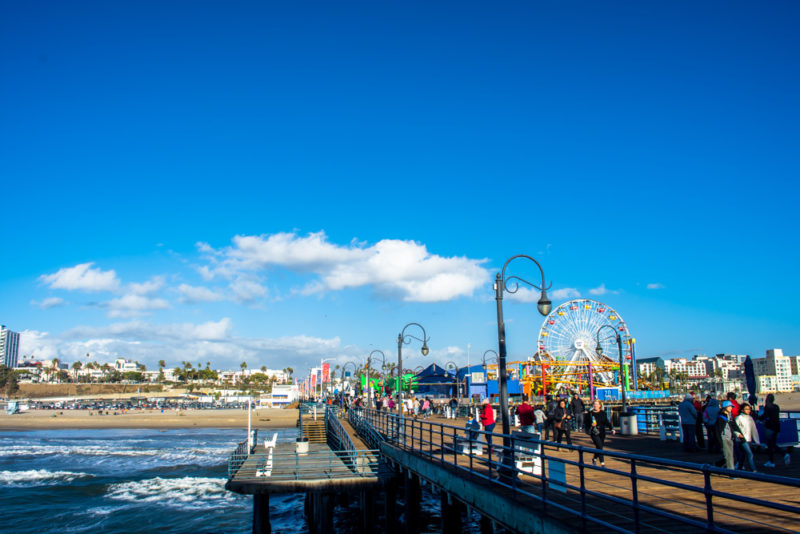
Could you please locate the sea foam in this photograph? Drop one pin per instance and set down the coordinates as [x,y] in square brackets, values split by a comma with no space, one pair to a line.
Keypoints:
[185,492]
[38,477]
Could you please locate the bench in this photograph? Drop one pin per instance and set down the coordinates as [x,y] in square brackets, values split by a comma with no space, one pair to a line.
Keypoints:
[462,445]
[527,456]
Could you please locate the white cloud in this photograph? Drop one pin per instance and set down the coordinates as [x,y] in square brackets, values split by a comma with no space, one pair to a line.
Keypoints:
[391,266]
[602,290]
[566,293]
[247,290]
[82,277]
[655,286]
[190,294]
[48,303]
[134,305]
[144,288]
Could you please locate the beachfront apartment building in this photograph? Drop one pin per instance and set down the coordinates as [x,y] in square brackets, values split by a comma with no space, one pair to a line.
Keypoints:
[774,372]
[123,366]
[9,347]
[694,369]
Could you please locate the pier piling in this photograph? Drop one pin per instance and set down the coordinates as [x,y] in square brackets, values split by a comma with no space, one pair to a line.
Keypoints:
[261,523]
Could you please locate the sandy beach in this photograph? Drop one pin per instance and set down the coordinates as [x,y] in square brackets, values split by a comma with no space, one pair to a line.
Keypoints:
[54,419]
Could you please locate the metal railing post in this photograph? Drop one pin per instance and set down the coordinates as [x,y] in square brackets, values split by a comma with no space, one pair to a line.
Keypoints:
[707,492]
[581,469]
[635,489]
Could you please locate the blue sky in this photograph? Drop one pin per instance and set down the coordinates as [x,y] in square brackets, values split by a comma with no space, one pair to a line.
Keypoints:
[277,182]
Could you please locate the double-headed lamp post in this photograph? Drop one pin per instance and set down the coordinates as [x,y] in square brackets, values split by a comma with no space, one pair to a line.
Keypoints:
[599,350]
[544,306]
[369,361]
[403,338]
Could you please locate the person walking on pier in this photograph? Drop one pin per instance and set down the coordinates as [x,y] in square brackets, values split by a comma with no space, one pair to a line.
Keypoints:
[577,409]
[688,416]
[727,432]
[526,417]
[487,420]
[562,417]
[453,404]
[550,410]
[772,422]
[698,429]
[710,420]
[596,422]
[747,425]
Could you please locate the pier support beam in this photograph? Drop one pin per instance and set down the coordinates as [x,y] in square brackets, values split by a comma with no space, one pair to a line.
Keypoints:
[390,505]
[451,514]
[261,524]
[367,502]
[413,496]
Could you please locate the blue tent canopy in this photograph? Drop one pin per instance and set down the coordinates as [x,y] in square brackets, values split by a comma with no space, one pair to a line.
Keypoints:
[435,380]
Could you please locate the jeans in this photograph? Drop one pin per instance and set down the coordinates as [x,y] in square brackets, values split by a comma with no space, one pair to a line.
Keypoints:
[598,444]
[563,431]
[748,455]
[688,432]
[530,429]
[490,429]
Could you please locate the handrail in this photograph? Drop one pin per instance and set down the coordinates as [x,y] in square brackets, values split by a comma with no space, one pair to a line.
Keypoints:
[430,439]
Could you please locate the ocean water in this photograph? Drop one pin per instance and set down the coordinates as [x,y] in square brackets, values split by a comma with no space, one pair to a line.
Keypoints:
[129,480]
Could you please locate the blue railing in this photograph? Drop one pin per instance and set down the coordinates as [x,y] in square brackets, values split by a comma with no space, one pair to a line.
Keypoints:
[645,497]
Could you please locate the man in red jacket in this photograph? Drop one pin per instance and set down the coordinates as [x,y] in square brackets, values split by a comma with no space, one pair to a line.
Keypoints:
[526,418]
[487,420]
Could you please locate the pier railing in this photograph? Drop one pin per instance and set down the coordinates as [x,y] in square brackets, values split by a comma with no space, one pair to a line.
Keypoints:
[632,495]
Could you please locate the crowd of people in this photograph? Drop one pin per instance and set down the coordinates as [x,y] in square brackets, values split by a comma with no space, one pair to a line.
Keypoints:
[730,428]
[727,428]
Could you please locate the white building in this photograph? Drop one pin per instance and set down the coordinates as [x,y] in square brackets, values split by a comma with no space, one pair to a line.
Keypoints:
[9,347]
[283,395]
[694,369]
[776,371]
[123,366]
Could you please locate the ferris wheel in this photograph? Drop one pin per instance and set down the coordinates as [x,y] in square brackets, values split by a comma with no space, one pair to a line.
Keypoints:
[569,336]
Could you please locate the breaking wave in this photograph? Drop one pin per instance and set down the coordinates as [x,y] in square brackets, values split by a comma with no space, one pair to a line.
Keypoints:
[38,477]
[187,492]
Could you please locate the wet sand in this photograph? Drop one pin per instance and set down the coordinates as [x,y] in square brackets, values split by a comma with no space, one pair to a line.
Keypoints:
[54,419]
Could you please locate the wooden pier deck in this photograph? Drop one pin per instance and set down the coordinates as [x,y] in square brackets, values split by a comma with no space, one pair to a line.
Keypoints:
[322,469]
[613,486]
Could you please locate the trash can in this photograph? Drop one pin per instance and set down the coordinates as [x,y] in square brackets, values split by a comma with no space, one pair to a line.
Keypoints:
[301,446]
[628,424]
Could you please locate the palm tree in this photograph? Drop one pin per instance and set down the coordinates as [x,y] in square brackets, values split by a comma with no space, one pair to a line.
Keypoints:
[263,368]
[243,365]
[162,364]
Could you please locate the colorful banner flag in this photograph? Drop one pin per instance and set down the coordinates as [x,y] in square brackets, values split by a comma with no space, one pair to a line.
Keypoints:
[326,371]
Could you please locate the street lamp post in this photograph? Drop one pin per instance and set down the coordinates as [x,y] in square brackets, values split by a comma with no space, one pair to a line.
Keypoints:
[402,338]
[599,350]
[544,306]
[369,361]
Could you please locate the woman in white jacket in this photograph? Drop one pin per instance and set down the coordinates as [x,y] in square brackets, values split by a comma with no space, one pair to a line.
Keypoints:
[747,425]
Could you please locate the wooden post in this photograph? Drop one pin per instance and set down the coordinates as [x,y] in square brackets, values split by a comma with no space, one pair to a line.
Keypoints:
[261,524]
[390,505]
[413,496]
[487,525]
[451,515]
[326,505]
[367,501]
